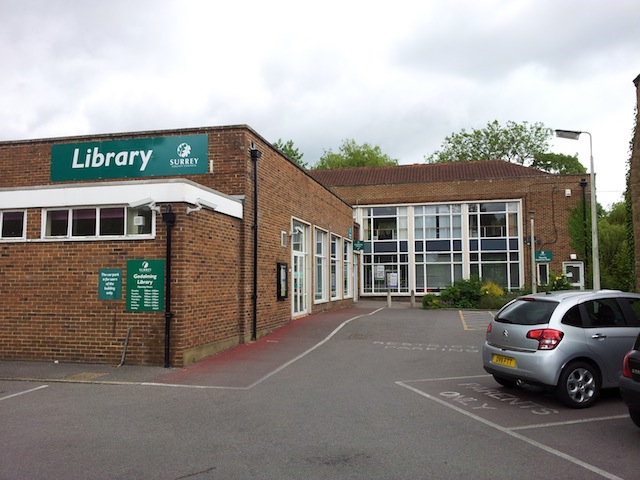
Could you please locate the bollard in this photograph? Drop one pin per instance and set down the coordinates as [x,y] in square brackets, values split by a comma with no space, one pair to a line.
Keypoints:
[413,299]
[389,297]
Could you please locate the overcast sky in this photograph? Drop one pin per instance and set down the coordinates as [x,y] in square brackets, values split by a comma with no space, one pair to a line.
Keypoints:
[399,74]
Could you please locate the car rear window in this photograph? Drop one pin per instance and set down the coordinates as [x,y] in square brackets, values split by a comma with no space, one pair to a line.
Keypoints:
[527,312]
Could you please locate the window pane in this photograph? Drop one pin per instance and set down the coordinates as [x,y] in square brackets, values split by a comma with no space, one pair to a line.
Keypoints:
[513,224]
[492,207]
[438,276]
[112,221]
[57,223]
[496,272]
[12,224]
[83,222]
[493,225]
[321,266]
[384,211]
[139,221]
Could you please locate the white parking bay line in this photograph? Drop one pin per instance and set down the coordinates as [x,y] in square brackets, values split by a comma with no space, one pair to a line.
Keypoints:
[569,422]
[22,393]
[513,434]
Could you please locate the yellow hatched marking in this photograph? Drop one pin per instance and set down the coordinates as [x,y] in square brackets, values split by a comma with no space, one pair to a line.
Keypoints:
[475,320]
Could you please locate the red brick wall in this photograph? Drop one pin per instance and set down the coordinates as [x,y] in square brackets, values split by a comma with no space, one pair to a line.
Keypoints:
[284,192]
[50,308]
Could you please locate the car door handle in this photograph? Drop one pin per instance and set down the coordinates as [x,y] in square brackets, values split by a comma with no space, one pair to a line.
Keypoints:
[598,336]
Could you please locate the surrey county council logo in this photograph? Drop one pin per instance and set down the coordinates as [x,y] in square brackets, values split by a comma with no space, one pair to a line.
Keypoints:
[184,159]
[184,150]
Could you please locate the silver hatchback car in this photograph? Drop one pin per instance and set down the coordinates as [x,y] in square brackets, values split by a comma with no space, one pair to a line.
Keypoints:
[572,342]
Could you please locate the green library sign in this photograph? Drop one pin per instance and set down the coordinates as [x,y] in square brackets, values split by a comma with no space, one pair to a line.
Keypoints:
[140,157]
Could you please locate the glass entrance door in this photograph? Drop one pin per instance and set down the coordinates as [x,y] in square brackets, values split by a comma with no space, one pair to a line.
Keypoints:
[299,262]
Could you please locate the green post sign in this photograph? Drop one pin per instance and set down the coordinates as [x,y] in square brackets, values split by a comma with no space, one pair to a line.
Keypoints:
[145,285]
[110,284]
[358,245]
[140,157]
[543,256]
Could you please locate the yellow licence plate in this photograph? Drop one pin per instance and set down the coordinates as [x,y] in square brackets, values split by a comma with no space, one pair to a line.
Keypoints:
[506,361]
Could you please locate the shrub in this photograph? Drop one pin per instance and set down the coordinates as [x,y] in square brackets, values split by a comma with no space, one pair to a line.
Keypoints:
[557,282]
[470,293]
[492,296]
[492,289]
[431,301]
[463,293]
[488,302]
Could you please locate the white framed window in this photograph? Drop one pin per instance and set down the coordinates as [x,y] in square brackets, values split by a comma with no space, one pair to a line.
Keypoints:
[335,262]
[320,265]
[13,225]
[97,222]
[347,269]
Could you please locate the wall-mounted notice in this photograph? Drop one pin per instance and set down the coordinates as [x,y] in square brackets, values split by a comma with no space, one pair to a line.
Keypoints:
[145,285]
[110,284]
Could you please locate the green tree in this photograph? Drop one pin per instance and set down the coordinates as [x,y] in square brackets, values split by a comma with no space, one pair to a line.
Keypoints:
[353,155]
[579,226]
[513,142]
[558,163]
[616,269]
[614,248]
[291,151]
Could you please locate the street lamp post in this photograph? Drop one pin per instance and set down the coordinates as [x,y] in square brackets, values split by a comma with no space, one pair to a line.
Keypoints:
[534,283]
[575,135]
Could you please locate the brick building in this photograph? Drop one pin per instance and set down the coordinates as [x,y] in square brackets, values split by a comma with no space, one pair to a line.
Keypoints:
[99,233]
[425,226]
[634,183]
[173,245]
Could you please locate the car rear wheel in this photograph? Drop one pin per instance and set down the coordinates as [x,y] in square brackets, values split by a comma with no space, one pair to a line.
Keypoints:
[635,417]
[579,385]
[506,382]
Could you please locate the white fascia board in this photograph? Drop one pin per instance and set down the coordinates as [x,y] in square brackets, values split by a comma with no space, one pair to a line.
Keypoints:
[117,193]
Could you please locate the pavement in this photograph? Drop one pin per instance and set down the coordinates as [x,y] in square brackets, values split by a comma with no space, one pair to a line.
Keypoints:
[239,367]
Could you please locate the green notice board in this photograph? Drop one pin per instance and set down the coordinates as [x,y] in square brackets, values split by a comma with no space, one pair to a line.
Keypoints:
[543,256]
[110,284]
[145,285]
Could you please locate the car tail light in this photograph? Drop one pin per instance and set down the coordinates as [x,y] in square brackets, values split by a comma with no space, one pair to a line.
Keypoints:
[489,328]
[626,369]
[547,338]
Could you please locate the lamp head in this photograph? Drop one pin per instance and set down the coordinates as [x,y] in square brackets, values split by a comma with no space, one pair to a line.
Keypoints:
[570,134]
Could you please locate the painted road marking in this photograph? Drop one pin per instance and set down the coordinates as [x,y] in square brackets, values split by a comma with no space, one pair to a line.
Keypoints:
[569,422]
[475,319]
[22,393]
[506,430]
[430,347]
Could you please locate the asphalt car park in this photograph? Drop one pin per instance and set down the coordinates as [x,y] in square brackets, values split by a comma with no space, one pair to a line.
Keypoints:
[367,392]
